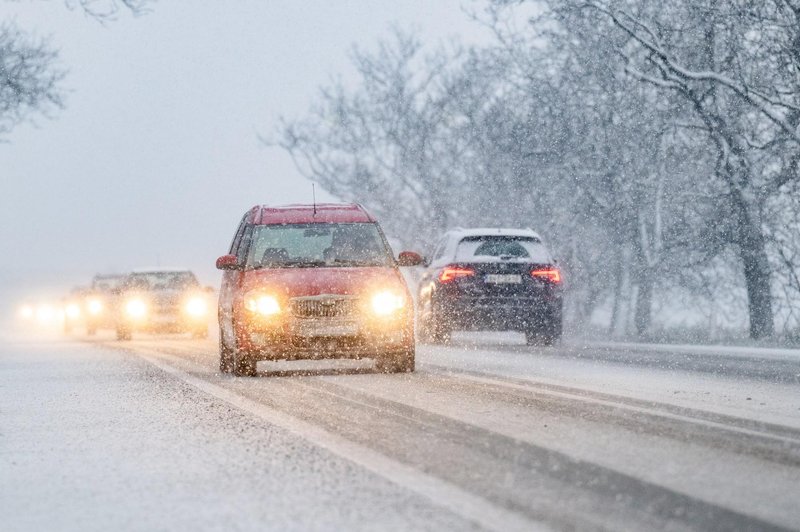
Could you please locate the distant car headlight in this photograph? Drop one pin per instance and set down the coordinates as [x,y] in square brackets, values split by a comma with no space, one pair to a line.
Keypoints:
[26,312]
[94,306]
[262,304]
[386,303]
[72,311]
[196,307]
[136,308]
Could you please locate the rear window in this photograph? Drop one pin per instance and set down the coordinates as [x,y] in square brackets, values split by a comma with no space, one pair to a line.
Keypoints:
[488,248]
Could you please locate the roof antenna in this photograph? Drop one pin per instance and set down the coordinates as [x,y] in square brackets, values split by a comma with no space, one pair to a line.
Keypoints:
[314,198]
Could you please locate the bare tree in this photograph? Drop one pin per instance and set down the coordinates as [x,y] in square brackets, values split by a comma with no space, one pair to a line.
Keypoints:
[29,68]
[29,76]
[734,68]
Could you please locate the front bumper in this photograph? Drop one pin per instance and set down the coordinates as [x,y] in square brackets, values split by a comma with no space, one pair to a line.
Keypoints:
[320,338]
[167,322]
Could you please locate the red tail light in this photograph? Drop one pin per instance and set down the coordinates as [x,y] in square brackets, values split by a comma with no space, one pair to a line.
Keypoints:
[548,274]
[449,273]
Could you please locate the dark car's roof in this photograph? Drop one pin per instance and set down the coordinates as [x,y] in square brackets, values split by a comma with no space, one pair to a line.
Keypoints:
[306,214]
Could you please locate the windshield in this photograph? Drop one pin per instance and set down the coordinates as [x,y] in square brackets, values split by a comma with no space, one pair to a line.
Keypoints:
[161,281]
[106,284]
[324,244]
[500,247]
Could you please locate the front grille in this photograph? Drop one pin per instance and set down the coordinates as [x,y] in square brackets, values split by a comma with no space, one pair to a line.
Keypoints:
[323,306]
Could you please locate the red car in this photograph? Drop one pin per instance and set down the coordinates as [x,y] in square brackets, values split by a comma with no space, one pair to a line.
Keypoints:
[311,282]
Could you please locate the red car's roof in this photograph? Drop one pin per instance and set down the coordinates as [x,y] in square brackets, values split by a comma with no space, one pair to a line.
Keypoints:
[305,214]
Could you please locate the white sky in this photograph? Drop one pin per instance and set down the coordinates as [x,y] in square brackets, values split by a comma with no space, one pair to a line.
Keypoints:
[156,156]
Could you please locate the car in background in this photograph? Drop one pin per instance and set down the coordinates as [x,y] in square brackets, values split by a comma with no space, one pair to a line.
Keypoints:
[99,305]
[162,300]
[72,311]
[314,282]
[490,279]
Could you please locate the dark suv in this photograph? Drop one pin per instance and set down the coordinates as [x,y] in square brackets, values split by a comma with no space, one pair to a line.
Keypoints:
[490,279]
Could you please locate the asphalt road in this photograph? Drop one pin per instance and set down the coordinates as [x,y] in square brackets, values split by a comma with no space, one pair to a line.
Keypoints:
[487,434]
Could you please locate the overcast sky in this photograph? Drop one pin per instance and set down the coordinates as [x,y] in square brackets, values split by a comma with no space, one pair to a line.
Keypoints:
[156,155]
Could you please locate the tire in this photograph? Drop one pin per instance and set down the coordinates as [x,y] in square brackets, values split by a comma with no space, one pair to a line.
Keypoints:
[539,338]
[244,365]
[432,330]
[402,362]
[439,331]
[124,334]
[546,334]
[225,356]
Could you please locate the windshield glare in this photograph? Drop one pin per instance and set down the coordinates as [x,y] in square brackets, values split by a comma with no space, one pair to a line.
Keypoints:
[323,244]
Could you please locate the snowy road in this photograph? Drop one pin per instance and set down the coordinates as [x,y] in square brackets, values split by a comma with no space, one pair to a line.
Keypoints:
[485,435]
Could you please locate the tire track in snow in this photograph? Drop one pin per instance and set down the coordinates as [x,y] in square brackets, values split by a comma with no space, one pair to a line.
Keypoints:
[448,444]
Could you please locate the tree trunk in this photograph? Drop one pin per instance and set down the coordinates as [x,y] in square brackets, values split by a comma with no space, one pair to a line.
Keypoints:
[644,303]
[616,310]
[757,274]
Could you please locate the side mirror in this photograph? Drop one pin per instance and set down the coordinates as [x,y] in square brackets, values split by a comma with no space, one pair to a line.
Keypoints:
[228,262]
[409,258]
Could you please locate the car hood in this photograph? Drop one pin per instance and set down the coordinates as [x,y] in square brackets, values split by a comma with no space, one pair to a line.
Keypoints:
[297,282]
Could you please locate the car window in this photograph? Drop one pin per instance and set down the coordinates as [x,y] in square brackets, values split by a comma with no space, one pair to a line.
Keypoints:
[325,244]
[501,247]
[237,238]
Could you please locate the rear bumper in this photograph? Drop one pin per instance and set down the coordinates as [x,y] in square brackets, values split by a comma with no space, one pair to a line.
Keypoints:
[479,313]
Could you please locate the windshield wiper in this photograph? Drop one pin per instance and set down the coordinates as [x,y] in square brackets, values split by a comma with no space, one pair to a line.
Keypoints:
[291,264]
[348,262]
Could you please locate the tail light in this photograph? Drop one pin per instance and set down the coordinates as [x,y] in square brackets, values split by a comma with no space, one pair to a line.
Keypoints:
[449,273]
[548,274]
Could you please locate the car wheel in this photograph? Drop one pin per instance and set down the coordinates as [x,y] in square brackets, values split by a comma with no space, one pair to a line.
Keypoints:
[439,331]
[244,365]
[124,334]
[402,362]
[546,335]
[225,355]
[539,338]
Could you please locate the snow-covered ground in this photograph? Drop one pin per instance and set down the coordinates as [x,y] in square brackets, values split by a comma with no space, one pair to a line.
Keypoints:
[487,434]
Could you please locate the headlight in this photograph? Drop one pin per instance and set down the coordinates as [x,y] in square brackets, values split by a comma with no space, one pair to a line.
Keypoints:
[196,306]
[262,304]
[135,308]
[386,303]
[26,312]
[72,311]
[94,306]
